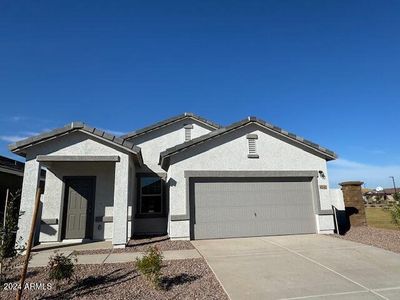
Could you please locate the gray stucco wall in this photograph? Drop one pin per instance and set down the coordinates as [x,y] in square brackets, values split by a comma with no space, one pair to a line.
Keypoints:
[54,195]
[122,195]
[229,153]
[29,186]
[151,145]
[78,143]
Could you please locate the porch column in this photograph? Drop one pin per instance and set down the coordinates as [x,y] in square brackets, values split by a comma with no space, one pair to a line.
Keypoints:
[29,186]
[354,203]
[120,210]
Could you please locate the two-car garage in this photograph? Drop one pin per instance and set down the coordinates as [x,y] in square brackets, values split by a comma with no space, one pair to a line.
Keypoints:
[248,179]
[224,207]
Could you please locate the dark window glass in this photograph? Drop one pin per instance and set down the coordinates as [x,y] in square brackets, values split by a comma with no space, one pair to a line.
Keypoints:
[151,195]
[150,185]
[151,204]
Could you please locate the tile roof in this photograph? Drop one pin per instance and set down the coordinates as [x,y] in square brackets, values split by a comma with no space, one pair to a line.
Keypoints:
[19,146]
[168,121]
[11,164]
[326,153]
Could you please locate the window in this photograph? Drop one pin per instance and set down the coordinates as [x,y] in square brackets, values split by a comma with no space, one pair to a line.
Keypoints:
[151,195]
[251,138]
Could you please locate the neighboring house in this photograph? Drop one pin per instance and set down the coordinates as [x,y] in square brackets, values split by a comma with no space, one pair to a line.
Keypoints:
[391,191]
[186,177]
[385,195]
[11,174]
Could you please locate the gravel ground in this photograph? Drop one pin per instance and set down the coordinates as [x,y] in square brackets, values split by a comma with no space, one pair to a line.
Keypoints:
[383,238]
[182,279]
[140,244]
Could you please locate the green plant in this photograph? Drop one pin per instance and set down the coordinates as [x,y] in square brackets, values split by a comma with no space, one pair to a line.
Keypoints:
[9,227]
[61,266]
[150,265]
[395,212]
[10,248]
[396,197]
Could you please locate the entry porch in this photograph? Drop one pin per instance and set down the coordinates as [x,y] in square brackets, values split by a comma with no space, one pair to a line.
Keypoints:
[86,198]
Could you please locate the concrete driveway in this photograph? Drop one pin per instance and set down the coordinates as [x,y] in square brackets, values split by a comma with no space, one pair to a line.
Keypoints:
[302,267]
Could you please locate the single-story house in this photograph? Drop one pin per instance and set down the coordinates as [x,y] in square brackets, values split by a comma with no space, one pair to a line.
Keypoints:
[185,176]
[383,196]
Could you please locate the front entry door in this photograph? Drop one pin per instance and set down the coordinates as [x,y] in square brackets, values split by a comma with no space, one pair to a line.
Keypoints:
[78,207]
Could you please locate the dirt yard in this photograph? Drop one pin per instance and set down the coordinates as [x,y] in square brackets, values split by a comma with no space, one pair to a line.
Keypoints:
[382,238]
[182,279]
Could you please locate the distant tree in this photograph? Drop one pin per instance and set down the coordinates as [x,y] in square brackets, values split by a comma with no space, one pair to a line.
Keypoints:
[395,212]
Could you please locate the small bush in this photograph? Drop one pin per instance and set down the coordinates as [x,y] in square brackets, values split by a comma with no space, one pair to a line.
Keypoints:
[8,232]
[395,212]
[396,197]
[61,266]
[150,266]
[10,247]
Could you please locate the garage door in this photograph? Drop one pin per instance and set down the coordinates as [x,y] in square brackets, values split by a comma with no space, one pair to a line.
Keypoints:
[241,207]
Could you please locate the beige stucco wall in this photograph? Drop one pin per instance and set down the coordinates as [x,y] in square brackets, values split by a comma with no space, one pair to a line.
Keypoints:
[229,153]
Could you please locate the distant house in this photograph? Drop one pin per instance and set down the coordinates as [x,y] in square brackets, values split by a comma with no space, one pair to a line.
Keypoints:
[385,195]
[11,175]
[391,191]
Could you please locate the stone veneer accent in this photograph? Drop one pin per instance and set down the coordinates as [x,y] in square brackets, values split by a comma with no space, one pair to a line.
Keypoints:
[354,203]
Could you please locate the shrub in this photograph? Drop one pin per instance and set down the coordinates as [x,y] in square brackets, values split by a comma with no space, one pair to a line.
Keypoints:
[395,212]
[61,266]
[396,197]
[8,232]
[150,265]
[10,248]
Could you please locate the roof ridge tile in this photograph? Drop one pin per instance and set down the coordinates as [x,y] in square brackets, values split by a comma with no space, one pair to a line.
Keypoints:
[168,121]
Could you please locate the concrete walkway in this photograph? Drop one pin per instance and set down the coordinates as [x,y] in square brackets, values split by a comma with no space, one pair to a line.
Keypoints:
[302,267]
[71,246]
[40,259]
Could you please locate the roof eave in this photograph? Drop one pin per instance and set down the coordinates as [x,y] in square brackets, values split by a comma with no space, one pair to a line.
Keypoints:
[20,146]
[323,152]
[140,158]
[167,122]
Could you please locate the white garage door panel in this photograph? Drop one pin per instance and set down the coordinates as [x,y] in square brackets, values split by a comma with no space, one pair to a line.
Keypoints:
[239,207]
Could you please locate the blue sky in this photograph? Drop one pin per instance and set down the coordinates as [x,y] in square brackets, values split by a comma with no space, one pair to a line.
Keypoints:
[326,70]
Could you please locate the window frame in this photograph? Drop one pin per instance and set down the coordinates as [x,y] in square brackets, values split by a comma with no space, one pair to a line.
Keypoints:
[139,213]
